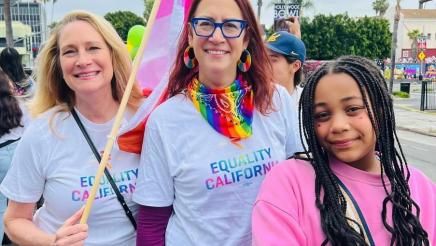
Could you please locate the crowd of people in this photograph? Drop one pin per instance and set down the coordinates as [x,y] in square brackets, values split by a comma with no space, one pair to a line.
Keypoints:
[243,151]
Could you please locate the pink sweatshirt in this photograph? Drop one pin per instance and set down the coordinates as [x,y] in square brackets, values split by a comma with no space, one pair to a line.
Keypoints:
[285,212]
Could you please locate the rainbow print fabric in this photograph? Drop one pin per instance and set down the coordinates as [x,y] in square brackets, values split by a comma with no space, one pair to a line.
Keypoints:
[229,110]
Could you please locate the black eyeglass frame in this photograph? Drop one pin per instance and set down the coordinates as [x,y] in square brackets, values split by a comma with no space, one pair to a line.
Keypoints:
[219,25]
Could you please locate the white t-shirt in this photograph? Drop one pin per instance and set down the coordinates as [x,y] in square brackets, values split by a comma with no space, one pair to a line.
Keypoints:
[60,166]
[17,131]
[296,95]
[211,183]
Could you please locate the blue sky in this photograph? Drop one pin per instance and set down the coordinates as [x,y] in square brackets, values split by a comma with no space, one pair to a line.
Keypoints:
[353,8]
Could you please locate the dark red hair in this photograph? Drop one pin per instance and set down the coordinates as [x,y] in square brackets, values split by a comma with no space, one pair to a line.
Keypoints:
[259,75]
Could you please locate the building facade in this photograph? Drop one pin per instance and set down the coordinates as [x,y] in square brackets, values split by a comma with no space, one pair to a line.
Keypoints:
[422,20]
[22,41]
[29,13]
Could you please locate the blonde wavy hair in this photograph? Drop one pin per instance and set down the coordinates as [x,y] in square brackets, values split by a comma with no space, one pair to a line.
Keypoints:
[52,89]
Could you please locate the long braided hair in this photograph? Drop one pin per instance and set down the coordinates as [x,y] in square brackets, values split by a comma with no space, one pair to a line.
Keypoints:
[406,228]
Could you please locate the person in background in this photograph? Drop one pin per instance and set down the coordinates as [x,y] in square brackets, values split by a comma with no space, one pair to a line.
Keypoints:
[83,71]
[10,62]
[13,118]
[287,54]
[224,126]
[355,186]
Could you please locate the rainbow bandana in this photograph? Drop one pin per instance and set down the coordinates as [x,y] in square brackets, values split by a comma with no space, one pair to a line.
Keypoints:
[229,111]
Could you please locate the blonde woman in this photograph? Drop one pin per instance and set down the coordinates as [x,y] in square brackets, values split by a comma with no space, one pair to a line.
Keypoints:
[83,68]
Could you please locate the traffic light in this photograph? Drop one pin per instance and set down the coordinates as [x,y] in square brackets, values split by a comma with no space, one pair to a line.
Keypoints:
[35,51]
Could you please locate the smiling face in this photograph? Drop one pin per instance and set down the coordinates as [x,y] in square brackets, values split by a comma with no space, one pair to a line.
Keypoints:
[217,56]
[343,126]
[85,60]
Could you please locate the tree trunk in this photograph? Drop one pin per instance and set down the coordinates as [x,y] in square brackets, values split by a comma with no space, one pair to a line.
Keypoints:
[8,22]
[421,3]
[394,45]
[259,8]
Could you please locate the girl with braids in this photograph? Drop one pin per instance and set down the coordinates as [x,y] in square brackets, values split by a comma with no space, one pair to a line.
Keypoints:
[356,188]
[225,125]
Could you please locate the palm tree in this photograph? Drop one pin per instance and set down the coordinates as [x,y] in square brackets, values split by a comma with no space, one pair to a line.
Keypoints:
[8,22]
[147,11]
[421,3]
[413,36]
[259,7]
[394,43]
[380,7]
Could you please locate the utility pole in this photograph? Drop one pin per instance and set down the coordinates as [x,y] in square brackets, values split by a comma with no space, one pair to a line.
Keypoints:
[8,23]
[259,8]
[394,45]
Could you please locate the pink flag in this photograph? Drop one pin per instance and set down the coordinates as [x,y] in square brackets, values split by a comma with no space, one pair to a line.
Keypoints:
[153,72]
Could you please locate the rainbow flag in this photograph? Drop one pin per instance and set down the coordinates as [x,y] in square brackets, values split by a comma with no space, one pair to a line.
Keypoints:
[153,72]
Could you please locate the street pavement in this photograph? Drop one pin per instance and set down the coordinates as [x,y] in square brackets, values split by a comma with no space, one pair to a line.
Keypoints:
[417,133]
[419,151]
[409,117]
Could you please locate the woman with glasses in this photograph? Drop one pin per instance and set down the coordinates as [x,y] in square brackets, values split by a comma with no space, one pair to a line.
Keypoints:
[223,127]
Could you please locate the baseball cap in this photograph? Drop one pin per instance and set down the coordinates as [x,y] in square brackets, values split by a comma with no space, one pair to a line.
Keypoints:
[287,44]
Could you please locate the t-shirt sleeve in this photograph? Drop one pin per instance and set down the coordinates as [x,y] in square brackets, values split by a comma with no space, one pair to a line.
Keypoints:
[25,180]
[289,109]
[25,120]
[275,216]
[154,186]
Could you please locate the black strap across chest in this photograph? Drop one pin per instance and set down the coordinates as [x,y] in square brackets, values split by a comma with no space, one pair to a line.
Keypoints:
[120,197]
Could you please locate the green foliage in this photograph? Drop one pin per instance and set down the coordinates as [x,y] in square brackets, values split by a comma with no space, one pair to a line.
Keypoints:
[374,38]
[330,36]
[148,4]
[122,21]
[401,94]
[414,34]
[269,31]
[380,7]
[52,25]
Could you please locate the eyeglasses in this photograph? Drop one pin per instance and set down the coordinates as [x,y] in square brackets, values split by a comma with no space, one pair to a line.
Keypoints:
[232,28]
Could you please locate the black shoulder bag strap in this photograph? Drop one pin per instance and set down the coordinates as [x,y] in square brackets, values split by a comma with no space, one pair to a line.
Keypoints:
[106,171]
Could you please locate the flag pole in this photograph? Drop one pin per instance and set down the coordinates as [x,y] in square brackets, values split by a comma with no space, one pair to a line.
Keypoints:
[120,112]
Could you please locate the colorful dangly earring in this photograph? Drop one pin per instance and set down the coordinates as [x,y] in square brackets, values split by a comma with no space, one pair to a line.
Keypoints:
[189,58]
[244,62]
